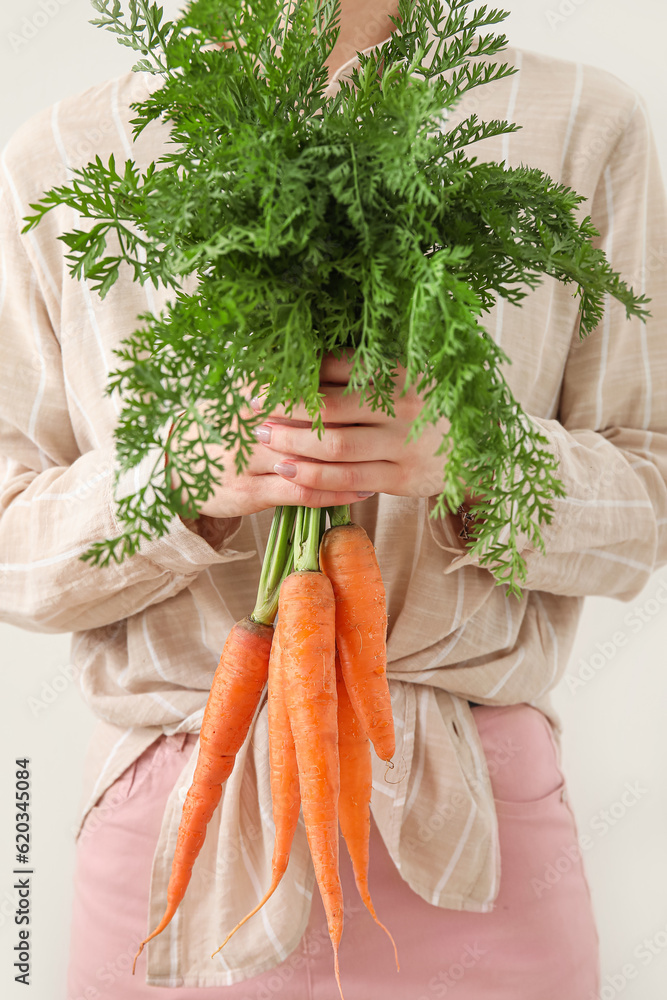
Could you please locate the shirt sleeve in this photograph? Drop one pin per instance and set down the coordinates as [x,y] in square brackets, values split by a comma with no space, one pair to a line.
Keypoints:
[609,532]
[54,501]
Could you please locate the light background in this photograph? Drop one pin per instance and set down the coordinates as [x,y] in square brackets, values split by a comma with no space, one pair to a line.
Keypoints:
[614,721]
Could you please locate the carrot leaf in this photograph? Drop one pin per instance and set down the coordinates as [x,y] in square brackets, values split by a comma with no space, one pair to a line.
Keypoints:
[317,222]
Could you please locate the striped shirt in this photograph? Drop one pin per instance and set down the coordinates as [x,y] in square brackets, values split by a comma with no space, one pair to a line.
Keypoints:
[147,634]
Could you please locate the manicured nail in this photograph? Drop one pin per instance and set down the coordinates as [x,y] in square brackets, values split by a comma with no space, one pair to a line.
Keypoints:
[285,469]
[256,403]
[364,496]
[263,434]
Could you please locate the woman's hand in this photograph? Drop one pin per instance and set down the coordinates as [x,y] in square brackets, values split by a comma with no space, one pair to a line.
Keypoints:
[360,450]
[259,486]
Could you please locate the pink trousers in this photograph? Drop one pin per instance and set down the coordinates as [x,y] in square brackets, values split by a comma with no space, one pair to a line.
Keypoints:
[539,943]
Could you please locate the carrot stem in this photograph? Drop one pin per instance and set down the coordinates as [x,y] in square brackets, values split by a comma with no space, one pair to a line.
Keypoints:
[322,527]
[340,515]
[276,566]
[307,540]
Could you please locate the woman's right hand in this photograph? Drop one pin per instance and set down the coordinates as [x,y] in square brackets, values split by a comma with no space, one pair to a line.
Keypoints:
[258,487]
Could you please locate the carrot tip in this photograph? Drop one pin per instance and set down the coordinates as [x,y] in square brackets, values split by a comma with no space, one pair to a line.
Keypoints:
[337,971]
[220,947]
[141,948]
[366,899]
[391,938]
[272,888]
[158,930]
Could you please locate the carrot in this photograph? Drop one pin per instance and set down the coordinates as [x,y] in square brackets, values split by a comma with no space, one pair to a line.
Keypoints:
[356,779]
[347,557]
[306,613]
[237,687]
[284,778]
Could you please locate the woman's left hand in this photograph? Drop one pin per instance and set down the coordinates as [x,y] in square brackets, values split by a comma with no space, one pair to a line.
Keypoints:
[360,450]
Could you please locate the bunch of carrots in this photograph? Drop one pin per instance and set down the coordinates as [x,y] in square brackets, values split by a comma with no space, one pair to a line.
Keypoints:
[325,663]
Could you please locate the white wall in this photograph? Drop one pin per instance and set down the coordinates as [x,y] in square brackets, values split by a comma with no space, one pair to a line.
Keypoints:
[615,729]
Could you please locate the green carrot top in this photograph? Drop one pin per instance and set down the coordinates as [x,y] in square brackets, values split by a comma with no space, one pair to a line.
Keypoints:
[318,222]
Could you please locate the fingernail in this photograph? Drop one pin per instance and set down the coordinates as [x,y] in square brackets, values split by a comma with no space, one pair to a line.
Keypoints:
[285,469]
[364,496]
[262,434]
[256,403]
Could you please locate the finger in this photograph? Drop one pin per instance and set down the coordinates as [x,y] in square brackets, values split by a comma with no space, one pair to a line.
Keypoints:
[195,441]
[277,491]
[349,443]
[335,370]
[339,407]
[344,477]
[208,413]
[338,370]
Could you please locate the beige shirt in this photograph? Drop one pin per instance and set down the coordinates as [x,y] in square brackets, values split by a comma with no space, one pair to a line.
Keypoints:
[147,634]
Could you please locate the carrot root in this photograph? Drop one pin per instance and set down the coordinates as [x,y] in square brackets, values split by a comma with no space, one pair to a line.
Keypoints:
[284,780]
[347,557]
[356,780]
[235,692]
[270,891]
[306,617]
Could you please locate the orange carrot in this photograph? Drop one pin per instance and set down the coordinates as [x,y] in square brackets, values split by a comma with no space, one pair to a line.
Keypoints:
[347,557]
[237,687]
[354,751]
[306,613]
[284,778]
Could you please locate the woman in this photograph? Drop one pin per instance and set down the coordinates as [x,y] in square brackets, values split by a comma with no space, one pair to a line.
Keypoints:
[463,838]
